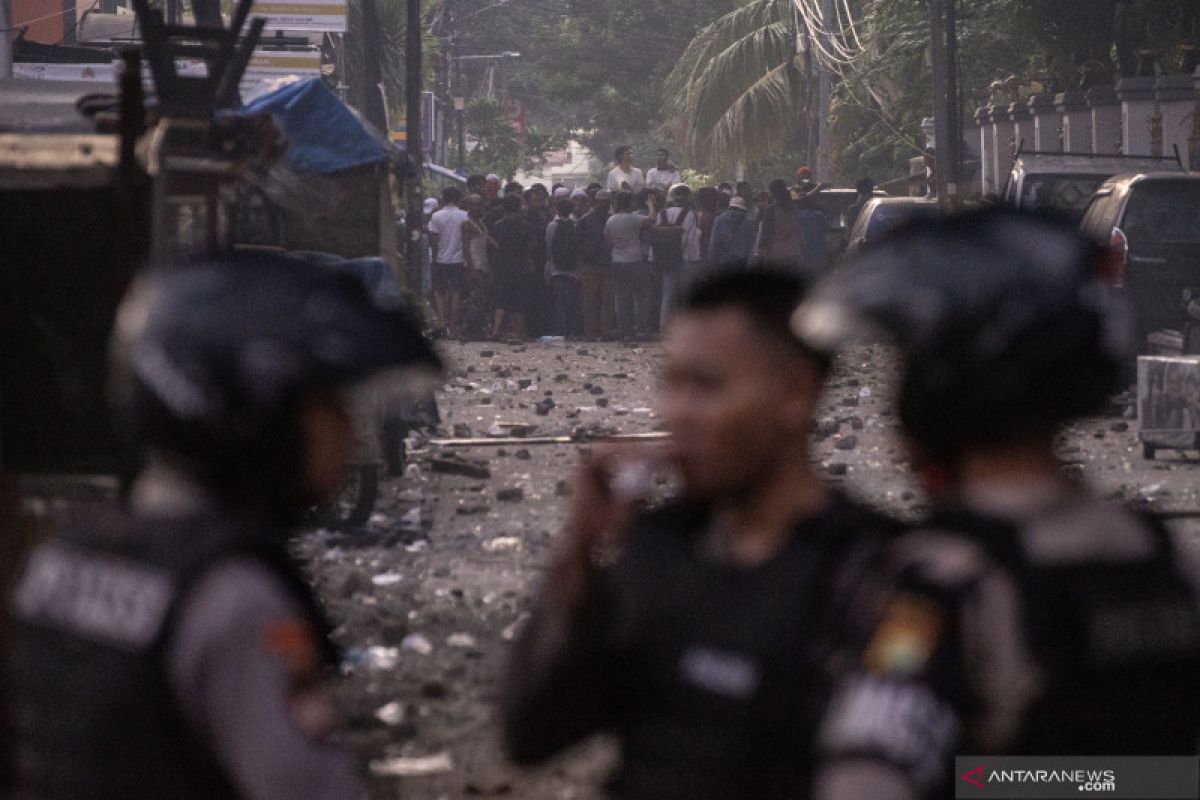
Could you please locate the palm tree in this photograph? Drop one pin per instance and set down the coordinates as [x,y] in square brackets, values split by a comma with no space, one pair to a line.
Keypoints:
[737,91]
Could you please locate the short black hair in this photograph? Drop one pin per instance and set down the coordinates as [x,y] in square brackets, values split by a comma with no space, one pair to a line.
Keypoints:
[767,295]
[511,203]
[865,185]
[564,207]
[452,194]
[620,151]
[476,179]
[623,201]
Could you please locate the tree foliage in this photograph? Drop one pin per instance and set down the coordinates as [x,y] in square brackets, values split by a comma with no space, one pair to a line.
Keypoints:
[736,92]
[595,67]
[496,146]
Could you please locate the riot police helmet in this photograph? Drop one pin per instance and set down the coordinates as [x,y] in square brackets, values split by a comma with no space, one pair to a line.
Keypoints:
[212,361]
[1003,320]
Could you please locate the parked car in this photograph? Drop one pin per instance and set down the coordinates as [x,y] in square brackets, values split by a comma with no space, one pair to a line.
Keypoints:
[882,215]
[1063,182]
[1153,221]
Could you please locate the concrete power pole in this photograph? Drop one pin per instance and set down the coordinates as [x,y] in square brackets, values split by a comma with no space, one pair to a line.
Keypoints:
[6,53]
[943,52]
[824,95]
[414,217]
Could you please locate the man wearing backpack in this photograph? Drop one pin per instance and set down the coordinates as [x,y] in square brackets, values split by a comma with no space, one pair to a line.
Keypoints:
[562,271]
[676,246]
[733,234]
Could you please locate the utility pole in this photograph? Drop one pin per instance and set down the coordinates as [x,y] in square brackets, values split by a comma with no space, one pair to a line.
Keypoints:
[947,111]
[825,94]
[70,22]
[6,53]
[370,93]
[415,217]
[459,98]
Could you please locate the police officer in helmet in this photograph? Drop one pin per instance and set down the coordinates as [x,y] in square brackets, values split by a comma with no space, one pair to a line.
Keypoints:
[171,649]
[1026,615]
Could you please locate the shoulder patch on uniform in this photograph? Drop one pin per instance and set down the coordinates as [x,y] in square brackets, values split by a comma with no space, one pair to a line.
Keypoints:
[293,642]
[310,708]
[907,634]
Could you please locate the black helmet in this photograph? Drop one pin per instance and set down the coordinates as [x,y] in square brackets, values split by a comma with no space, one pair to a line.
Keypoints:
[1003,323]
[212,361]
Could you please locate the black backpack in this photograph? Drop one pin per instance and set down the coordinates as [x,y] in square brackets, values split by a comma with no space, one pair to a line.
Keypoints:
[667,241]
[564,247]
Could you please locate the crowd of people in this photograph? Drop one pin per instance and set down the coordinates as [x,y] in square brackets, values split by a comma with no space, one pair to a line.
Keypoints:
[762,634]
[606,260]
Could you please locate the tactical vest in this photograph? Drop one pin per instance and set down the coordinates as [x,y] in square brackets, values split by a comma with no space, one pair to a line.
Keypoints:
[92,615]
[682,629]
[1117,640]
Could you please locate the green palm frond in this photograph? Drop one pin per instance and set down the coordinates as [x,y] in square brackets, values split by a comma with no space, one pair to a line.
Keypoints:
[735,93]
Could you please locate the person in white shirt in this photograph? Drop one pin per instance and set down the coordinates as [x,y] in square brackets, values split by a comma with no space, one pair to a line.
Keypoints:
[624,176]
[663,175]
[449,263]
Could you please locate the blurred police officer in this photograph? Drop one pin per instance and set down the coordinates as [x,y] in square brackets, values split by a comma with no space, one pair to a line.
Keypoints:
[172,650]
[695,632]
[1026,615]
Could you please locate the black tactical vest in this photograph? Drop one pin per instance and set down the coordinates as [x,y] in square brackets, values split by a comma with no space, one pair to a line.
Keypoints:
[92,614]
[721,667]
[1117,640]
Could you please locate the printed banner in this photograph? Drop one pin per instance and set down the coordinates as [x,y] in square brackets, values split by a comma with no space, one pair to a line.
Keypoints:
[326,16]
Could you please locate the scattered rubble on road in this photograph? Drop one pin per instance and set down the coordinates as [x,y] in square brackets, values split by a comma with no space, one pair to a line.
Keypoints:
[425,611]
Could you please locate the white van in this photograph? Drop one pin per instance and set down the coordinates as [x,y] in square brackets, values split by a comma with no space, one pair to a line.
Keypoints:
[1064,182]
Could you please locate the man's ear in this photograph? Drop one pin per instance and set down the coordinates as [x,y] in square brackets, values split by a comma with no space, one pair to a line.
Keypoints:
[802,384]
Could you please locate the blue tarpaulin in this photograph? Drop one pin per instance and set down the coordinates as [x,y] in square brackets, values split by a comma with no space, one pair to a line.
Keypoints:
[325,135]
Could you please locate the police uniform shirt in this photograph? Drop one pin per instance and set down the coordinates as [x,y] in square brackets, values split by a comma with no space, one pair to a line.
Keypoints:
[1036,620]
[240,662]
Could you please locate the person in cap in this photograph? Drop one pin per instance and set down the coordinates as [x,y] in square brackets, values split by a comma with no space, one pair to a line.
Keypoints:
[734,233]
[169,648]
[696,632]
[677,253]
[491,187]
[429,207]
[1027,615]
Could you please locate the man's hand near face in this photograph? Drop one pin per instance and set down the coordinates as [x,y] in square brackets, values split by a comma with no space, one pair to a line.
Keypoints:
[605,499]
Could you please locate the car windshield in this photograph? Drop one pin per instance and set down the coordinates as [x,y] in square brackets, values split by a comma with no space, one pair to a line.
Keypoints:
[1065,193]
[889,217]
[1163,212]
